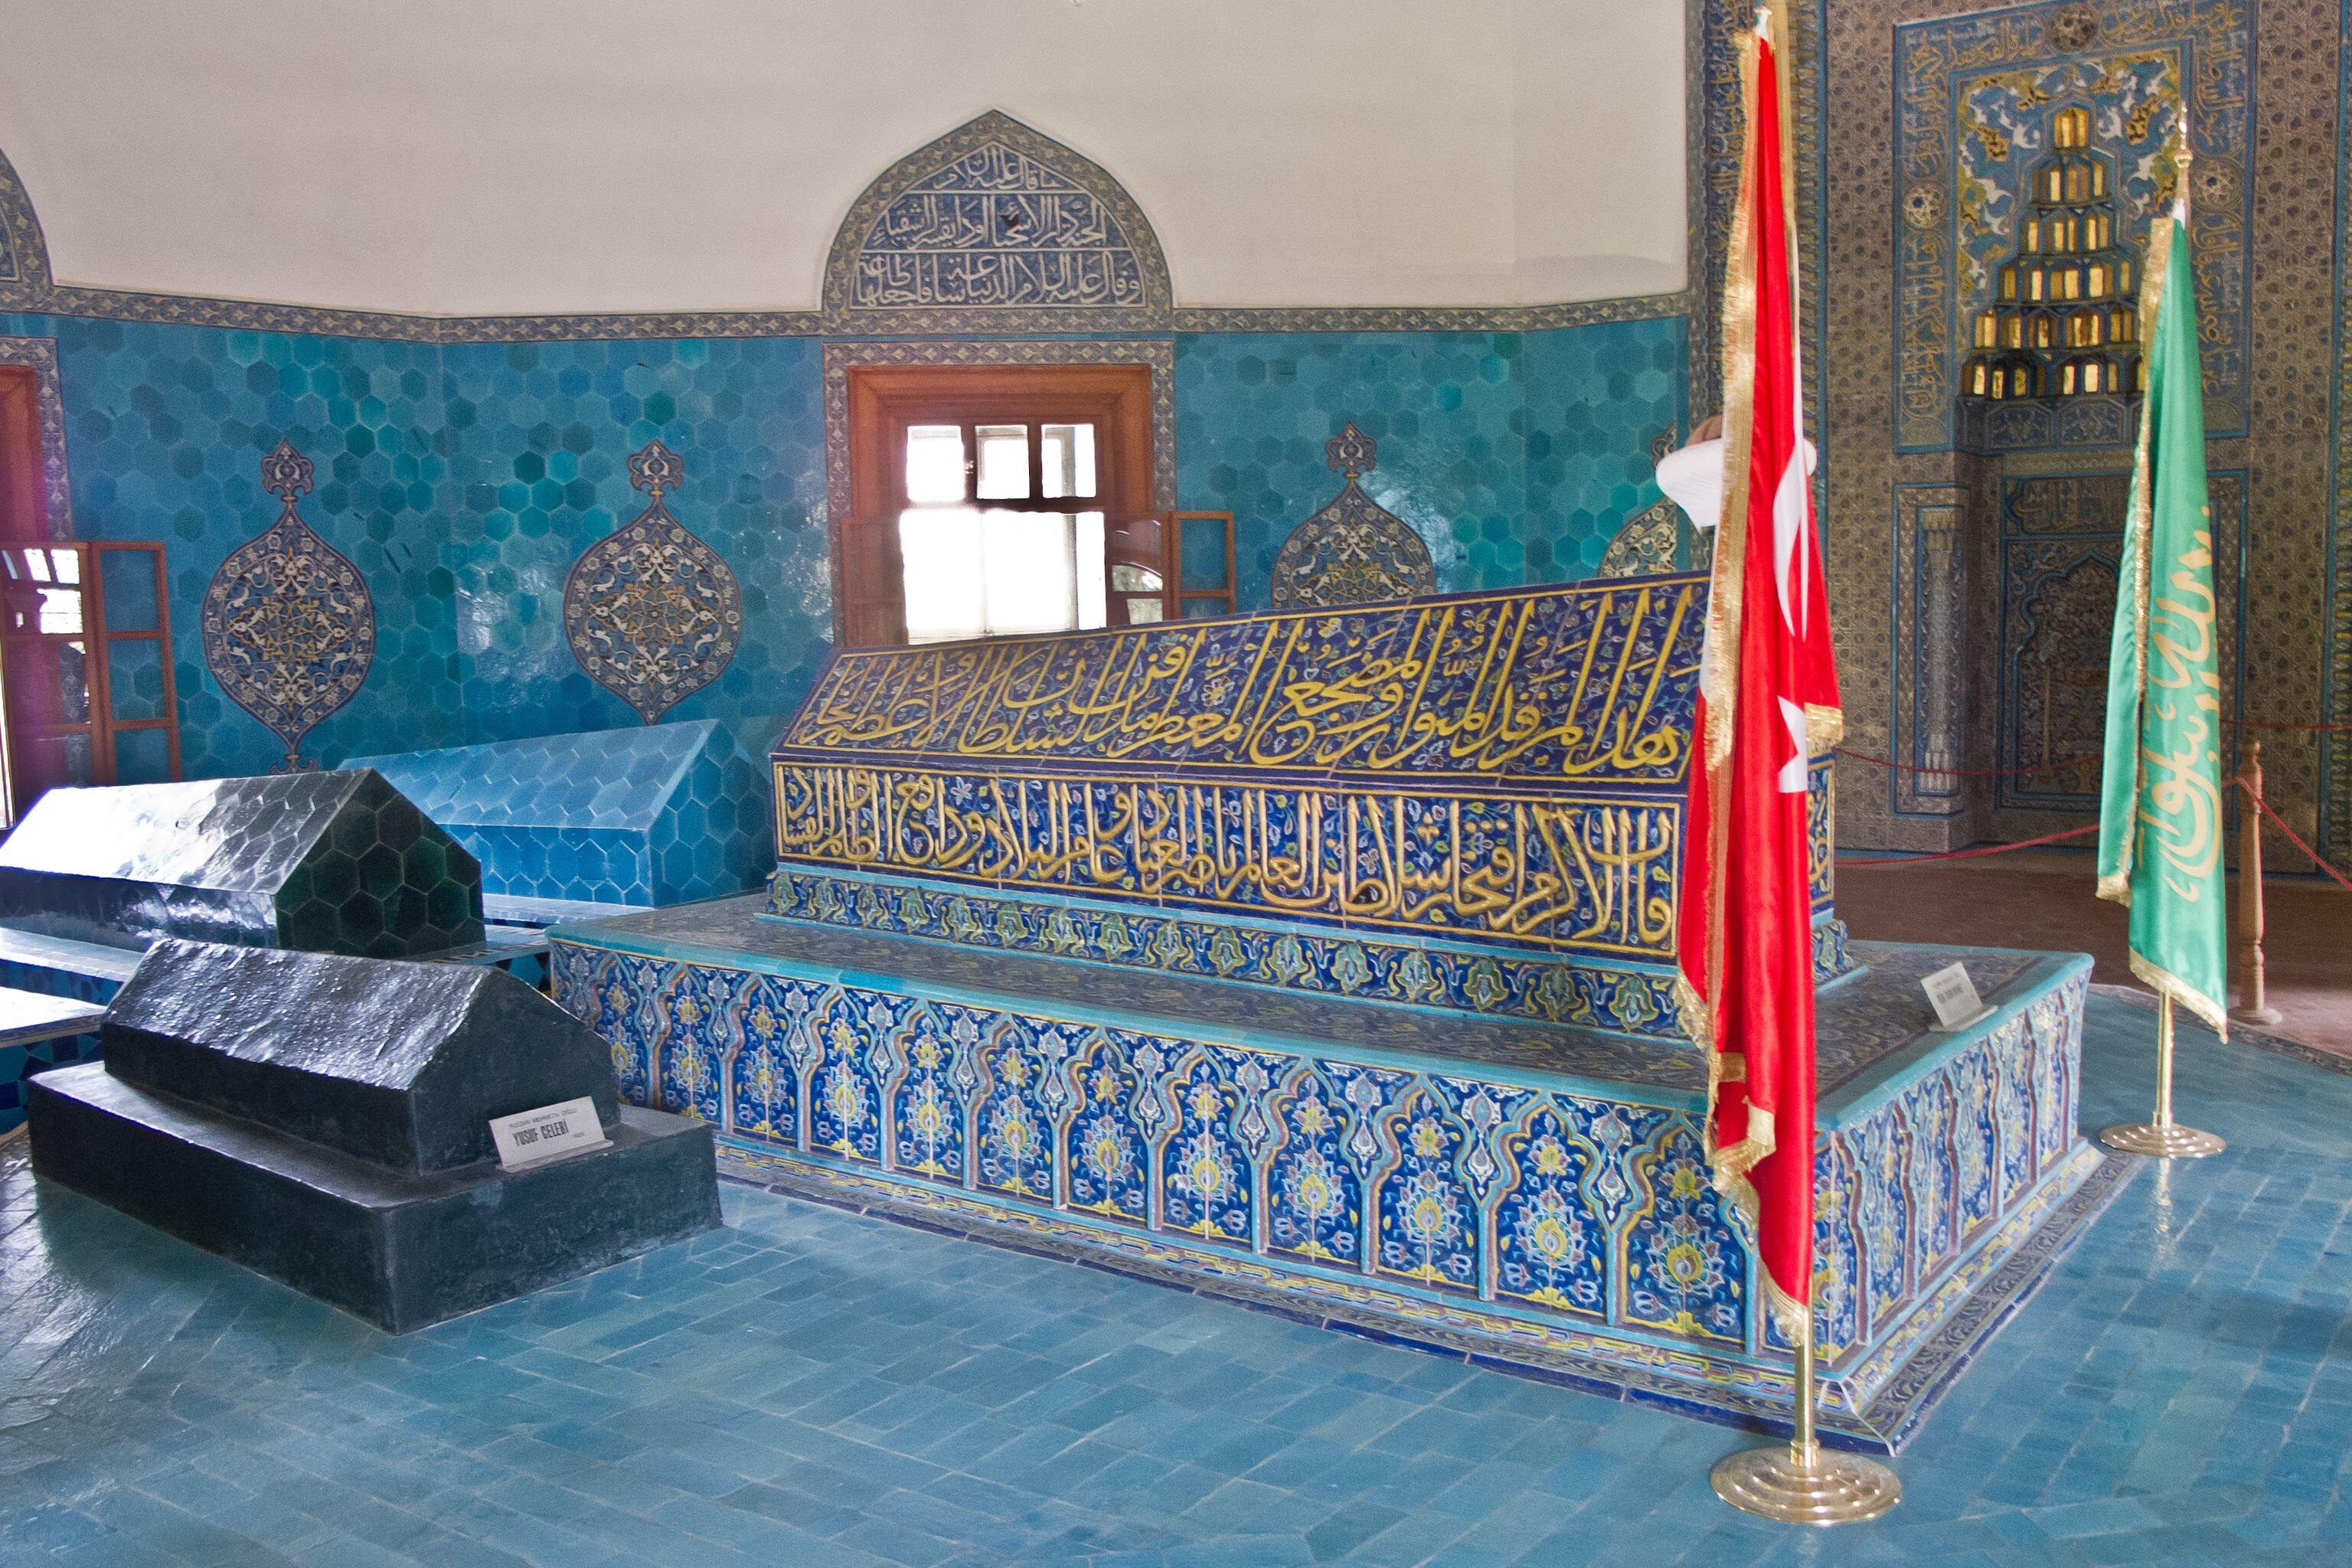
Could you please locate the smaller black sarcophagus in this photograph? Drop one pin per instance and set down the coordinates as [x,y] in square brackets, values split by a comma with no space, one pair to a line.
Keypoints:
[326,862]
[326,1120]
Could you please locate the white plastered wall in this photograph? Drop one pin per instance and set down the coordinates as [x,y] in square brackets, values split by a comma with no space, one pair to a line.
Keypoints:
[496,157]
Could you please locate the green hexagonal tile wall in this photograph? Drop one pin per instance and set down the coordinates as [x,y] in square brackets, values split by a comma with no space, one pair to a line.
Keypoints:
[464,480]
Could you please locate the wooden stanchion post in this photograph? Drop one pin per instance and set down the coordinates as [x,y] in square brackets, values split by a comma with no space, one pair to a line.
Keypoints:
[2252,1006]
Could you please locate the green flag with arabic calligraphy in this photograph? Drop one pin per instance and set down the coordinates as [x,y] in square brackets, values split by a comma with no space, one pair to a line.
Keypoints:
[2160,823]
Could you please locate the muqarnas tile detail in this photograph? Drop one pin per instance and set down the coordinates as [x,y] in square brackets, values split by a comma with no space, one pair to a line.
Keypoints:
[1355,550]
[288,625]
[1972,94]
[652,611]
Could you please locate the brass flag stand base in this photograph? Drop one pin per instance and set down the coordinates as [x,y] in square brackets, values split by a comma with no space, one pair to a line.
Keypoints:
[1801,1482]
[2164,1138]
[2166,1141]
[1833,1489]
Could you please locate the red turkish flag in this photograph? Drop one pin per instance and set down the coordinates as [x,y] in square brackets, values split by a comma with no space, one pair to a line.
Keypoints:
[1767,695]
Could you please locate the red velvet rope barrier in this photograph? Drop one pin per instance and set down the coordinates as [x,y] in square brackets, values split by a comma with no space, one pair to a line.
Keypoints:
[2259,803]
[2289,729]
[2071,762]
[2296,838]
[1967,854]
[1970,773]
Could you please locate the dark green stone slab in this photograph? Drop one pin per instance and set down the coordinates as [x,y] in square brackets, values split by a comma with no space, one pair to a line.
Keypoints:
[402,1251]
[401,1063]
[328,862]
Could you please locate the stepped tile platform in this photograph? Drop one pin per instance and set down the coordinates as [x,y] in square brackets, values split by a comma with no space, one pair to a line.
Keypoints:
[1522,1192]
[812,1386]
[400,1250]
[1325,960]
[655,813]
[53,966]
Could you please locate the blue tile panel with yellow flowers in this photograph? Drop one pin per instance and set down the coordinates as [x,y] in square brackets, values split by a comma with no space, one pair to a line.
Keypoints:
[655,814]
[1532,1194]
[1621,998]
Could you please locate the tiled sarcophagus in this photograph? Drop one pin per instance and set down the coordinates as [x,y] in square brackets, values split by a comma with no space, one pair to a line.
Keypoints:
[658,814]
[1472,803]
[1323,960]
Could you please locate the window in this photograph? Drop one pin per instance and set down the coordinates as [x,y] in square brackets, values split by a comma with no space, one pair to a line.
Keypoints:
[991,501]
[990,542]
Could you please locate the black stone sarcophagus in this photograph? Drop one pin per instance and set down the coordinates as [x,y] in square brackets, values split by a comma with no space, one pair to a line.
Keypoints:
[325,862]
[325,1120]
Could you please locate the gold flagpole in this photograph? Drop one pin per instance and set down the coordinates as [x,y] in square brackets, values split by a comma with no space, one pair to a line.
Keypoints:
[2163,1137]
[1800,1482]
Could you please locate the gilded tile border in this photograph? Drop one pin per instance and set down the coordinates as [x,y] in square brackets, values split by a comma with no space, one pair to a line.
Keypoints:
[2335,698]
[41,354]
[1627,1000]
[1621,998]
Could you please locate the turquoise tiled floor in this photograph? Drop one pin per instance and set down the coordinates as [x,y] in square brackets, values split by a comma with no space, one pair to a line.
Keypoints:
[811,1387]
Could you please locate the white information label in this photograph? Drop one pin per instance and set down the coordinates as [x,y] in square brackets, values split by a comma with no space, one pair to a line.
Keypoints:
[1955,996]
[534,1137]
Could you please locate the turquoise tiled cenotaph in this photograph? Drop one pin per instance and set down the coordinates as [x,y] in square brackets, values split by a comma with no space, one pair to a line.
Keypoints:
[1322,960]
[657,813]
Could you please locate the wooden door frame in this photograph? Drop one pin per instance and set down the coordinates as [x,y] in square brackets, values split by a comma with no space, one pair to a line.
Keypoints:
[868,601]
[99,637]
[24,502]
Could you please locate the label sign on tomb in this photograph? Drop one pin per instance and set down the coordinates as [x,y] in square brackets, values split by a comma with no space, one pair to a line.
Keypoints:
[1955,996]
[531,1138]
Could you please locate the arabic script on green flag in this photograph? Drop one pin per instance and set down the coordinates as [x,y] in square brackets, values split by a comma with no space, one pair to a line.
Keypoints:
[2160,823]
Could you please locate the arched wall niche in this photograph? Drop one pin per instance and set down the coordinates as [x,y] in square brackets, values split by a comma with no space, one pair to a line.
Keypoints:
[994,227]
[23,252]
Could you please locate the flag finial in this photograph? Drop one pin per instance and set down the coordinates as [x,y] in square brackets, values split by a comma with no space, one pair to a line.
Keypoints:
[2181,162]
